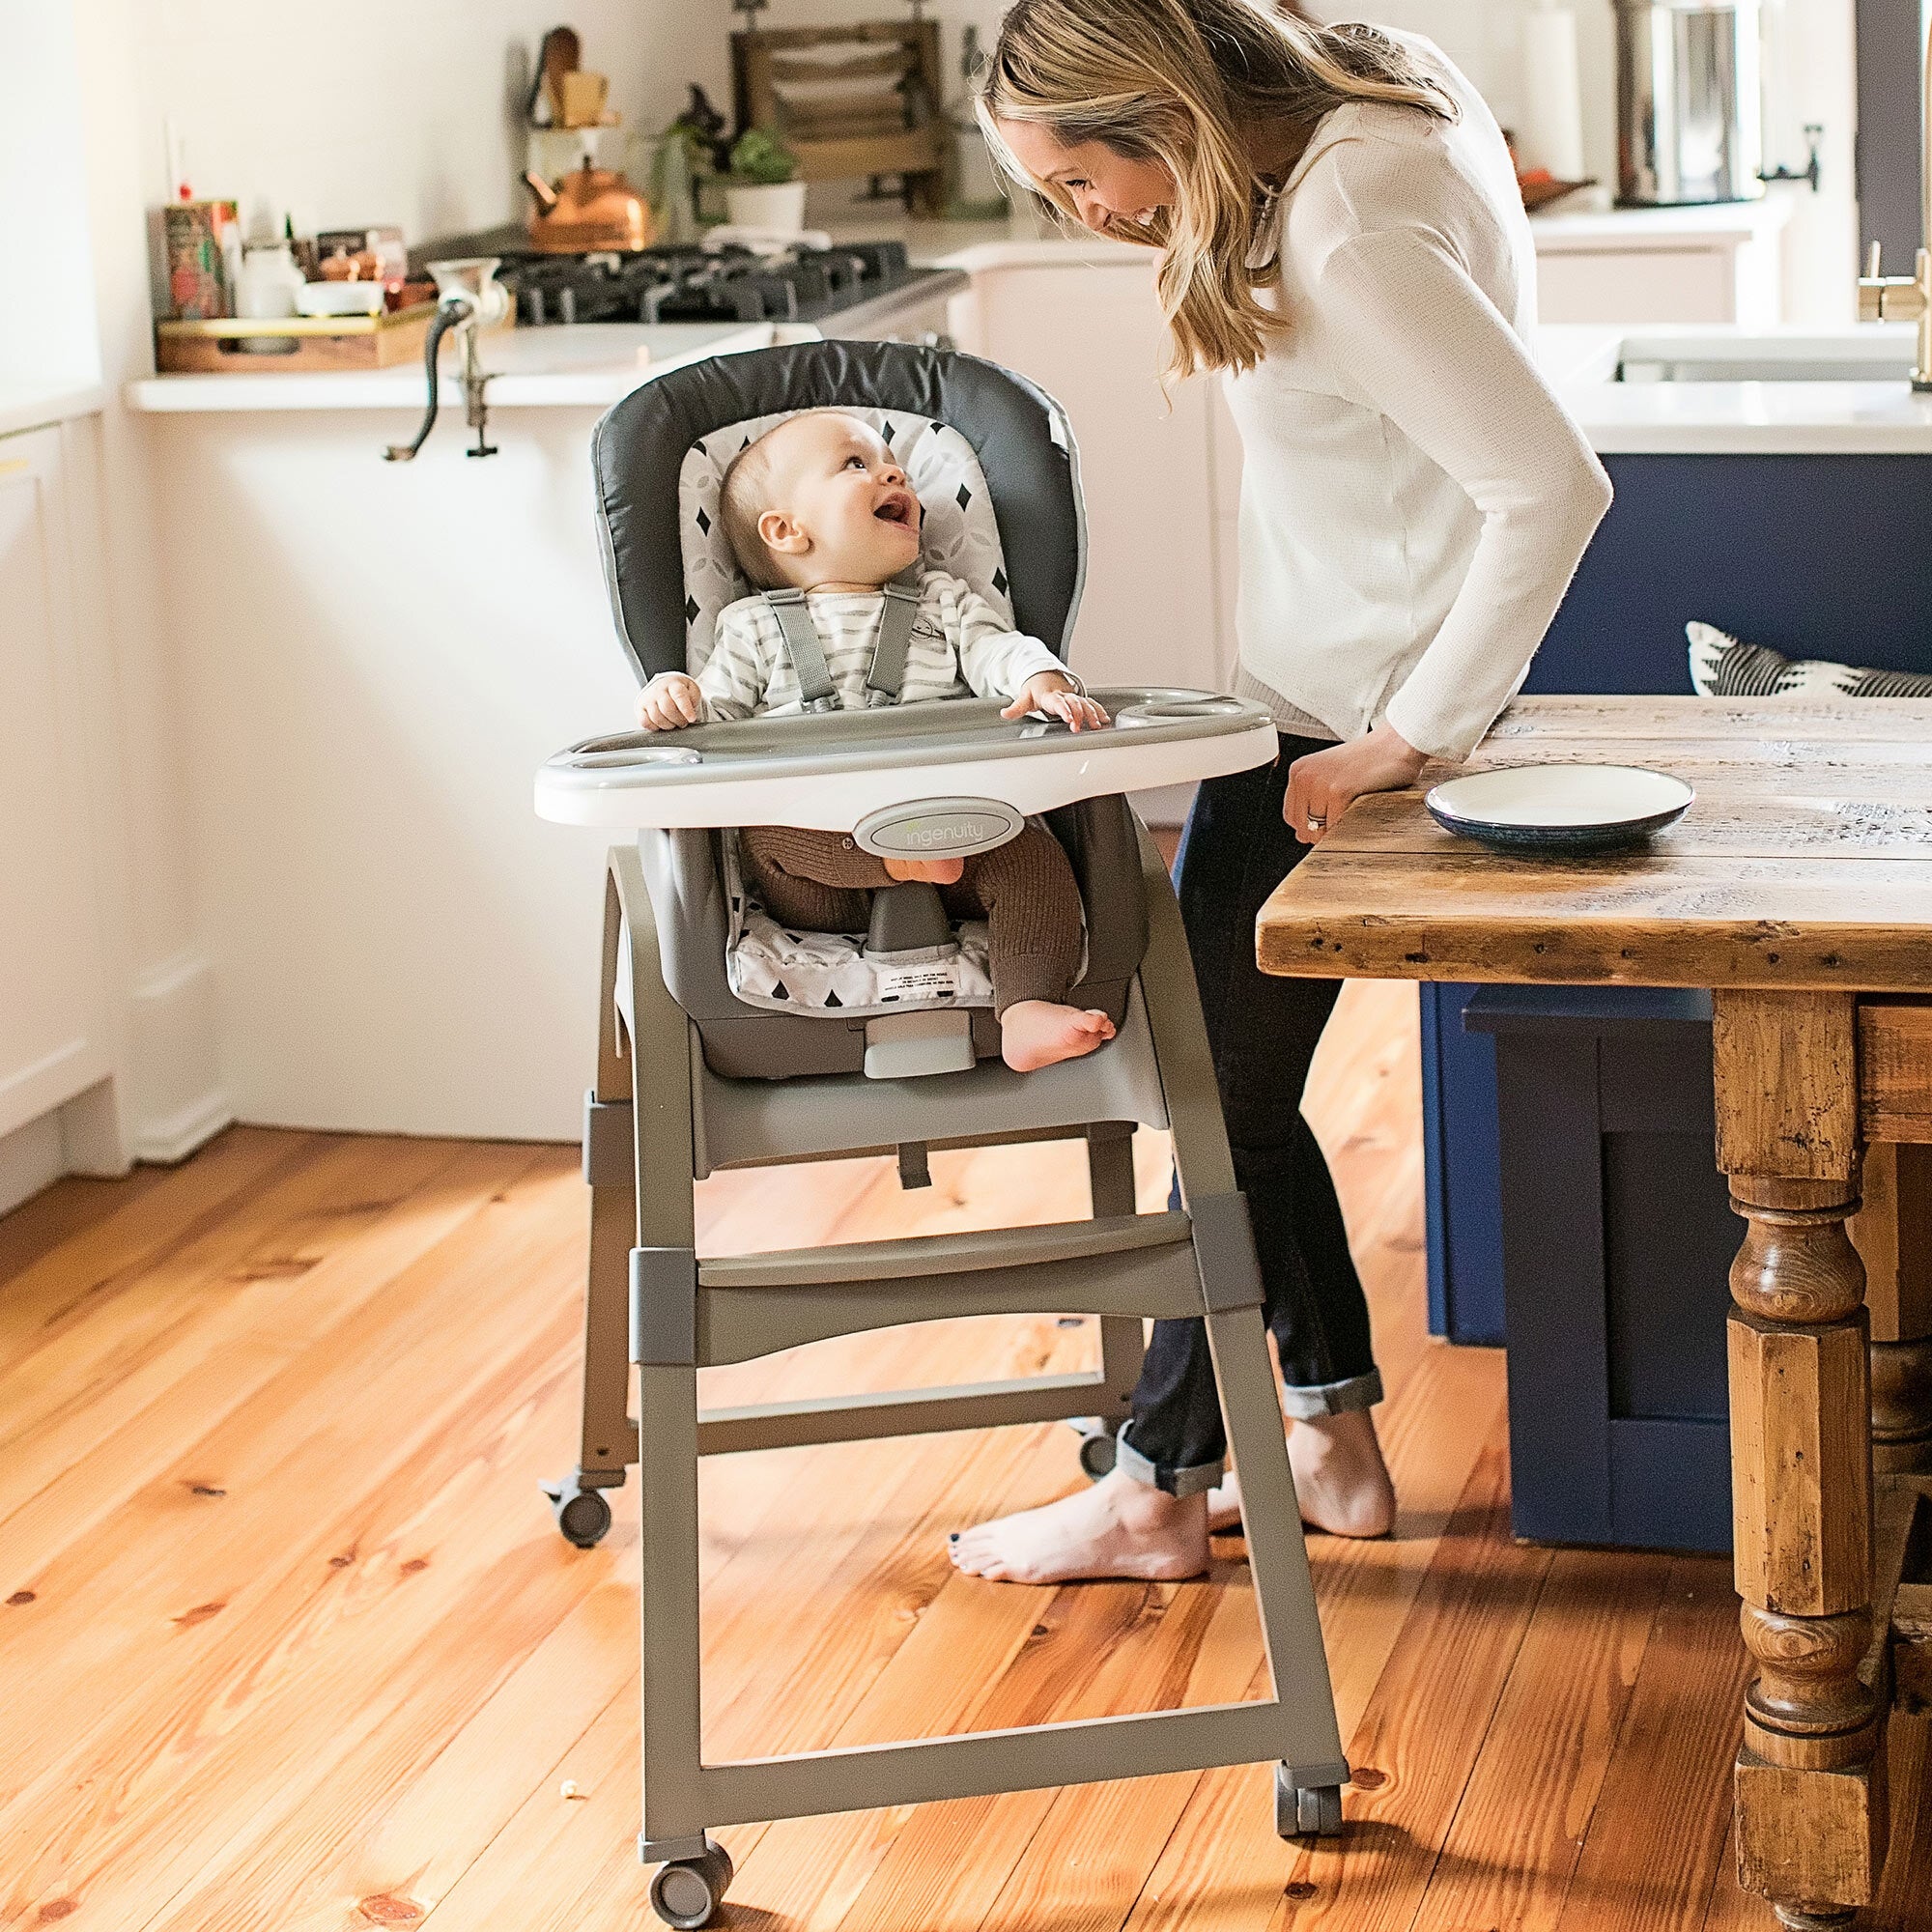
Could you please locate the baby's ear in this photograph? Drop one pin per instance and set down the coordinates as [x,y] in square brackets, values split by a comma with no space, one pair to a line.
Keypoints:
[781,533]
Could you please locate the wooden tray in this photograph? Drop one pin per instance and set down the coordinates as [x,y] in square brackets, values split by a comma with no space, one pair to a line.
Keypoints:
[320,342]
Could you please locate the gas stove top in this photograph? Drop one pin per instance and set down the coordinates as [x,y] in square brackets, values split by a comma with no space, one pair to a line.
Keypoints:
[729,284]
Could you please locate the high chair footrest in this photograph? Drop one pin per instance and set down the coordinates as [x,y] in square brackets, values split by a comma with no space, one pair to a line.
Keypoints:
[930,1770]
[941,1255]
[870,1414]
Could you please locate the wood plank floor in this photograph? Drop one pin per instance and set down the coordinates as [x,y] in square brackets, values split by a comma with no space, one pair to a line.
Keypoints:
[288,1640]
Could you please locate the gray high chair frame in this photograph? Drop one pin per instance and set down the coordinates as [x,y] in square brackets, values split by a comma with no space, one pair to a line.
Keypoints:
[660,1117]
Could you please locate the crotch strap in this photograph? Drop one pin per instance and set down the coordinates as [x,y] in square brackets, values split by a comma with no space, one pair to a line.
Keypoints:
[886,674]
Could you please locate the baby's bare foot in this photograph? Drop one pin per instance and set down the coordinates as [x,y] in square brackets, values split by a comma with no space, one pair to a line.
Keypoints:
[1117,1528]
[1037,1033]
[1340,1481]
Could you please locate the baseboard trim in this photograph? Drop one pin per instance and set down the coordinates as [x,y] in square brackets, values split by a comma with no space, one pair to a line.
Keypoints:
[164,1142]
[31,1158]
[176,1098]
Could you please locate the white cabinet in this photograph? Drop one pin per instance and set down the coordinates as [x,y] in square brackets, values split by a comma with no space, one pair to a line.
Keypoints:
[1663,265]
[53,1039]
[1090,335]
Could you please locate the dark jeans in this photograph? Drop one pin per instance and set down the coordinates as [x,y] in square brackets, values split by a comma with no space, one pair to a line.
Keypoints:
[1263,1031]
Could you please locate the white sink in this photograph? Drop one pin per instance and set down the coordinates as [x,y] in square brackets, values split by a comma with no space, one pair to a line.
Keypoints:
[1876,353]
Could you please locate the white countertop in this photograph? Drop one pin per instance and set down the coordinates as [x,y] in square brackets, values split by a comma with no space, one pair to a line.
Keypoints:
[34,405]
[1724,418]
[593,365]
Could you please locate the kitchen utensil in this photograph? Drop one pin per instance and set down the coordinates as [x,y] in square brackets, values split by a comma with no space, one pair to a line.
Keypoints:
[580,96]
[588,209]
[558,56]
[1689,120]
[1561,809]
[469,299]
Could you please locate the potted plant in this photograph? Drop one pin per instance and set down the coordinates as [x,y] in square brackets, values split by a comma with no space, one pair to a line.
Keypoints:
[762,191]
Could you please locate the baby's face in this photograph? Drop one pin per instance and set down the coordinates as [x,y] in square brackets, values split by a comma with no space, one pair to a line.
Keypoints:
[841,509]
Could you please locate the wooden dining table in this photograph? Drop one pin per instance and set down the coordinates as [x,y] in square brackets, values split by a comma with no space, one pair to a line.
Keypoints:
[1798,888]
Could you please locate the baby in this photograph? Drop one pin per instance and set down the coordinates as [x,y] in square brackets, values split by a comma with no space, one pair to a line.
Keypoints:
[820,505]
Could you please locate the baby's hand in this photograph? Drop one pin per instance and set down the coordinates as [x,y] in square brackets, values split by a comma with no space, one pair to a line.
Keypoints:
[670,702]
[1056,694]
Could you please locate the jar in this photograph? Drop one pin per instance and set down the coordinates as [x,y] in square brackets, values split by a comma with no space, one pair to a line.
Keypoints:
[269,282]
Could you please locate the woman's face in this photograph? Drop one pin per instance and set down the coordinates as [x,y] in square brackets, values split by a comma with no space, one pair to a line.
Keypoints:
[1103,187]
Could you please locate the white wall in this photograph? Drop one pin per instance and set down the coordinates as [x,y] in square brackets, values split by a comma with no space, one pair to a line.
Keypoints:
[47,325]
[407,111]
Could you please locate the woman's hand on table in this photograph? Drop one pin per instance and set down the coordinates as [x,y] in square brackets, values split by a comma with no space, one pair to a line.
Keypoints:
[1323,784]
[1059,696]
[670,702]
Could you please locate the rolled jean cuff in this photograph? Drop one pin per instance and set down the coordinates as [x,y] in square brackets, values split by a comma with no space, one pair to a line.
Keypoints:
[1190,1482]
[1304,1404]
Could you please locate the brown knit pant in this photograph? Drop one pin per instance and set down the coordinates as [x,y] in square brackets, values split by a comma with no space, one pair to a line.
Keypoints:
[1024,890]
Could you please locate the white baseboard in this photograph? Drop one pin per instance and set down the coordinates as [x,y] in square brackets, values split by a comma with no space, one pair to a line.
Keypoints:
[164,1142]
[176,1098]
[31,1157]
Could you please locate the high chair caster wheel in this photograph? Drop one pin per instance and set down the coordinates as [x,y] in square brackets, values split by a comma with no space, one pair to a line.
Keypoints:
[686,1895]
[1098,1446]
[582,1515]
[1306,1811]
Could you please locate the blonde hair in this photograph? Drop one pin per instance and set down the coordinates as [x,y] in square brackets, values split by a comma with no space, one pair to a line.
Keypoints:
[1176,82]
[742,499]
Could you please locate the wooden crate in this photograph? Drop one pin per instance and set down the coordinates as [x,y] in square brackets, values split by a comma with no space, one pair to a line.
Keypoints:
[321,342]
[860,100]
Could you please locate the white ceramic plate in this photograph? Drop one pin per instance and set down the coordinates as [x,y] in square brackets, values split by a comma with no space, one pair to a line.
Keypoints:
[1560,807]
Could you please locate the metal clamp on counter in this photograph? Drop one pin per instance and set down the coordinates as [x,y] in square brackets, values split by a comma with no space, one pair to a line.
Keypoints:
[469,299]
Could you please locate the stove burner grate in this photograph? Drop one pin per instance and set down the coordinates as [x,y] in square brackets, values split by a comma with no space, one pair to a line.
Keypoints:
[698,285]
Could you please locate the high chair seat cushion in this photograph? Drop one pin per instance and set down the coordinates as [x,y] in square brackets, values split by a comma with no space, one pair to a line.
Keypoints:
[784,969]
[958,532]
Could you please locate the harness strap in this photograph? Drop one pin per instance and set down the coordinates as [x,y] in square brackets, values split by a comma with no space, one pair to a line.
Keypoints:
[885,674]
[807,653]
[887,669]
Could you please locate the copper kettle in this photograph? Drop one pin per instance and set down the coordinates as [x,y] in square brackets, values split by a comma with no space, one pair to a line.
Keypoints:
[589,209]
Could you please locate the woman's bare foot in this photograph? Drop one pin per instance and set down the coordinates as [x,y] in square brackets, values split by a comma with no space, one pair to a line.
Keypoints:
[1037,1033]
[1340,1481]
[1117,1527]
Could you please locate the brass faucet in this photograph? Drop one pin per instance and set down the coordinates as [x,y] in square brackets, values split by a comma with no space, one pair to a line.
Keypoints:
[1908,297]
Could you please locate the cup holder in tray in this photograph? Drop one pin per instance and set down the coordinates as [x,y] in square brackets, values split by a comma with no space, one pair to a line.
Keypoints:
[1177,710]
[606,757]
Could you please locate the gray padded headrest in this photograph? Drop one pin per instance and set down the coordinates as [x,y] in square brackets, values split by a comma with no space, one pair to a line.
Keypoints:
[1020,437]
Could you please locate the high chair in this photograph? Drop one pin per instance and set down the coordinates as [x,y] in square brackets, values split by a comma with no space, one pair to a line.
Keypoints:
[725,1042]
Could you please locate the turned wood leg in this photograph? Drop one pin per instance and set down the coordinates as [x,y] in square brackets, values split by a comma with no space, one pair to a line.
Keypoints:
[1810,1787]
[1894,1236]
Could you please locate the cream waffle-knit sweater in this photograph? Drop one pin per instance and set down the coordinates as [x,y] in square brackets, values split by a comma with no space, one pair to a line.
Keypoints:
[1414,497]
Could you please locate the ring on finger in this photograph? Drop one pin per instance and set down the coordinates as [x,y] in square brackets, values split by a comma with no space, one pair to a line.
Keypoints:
[1317,823]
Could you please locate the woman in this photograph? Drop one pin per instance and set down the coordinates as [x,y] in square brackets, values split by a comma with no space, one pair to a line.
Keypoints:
[1342,237]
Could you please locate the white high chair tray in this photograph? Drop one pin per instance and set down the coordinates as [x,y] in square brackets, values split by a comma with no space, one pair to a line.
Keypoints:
[829,773]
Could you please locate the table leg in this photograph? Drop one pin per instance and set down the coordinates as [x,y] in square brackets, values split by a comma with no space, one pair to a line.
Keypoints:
[1894,1236]
[1811,1821]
